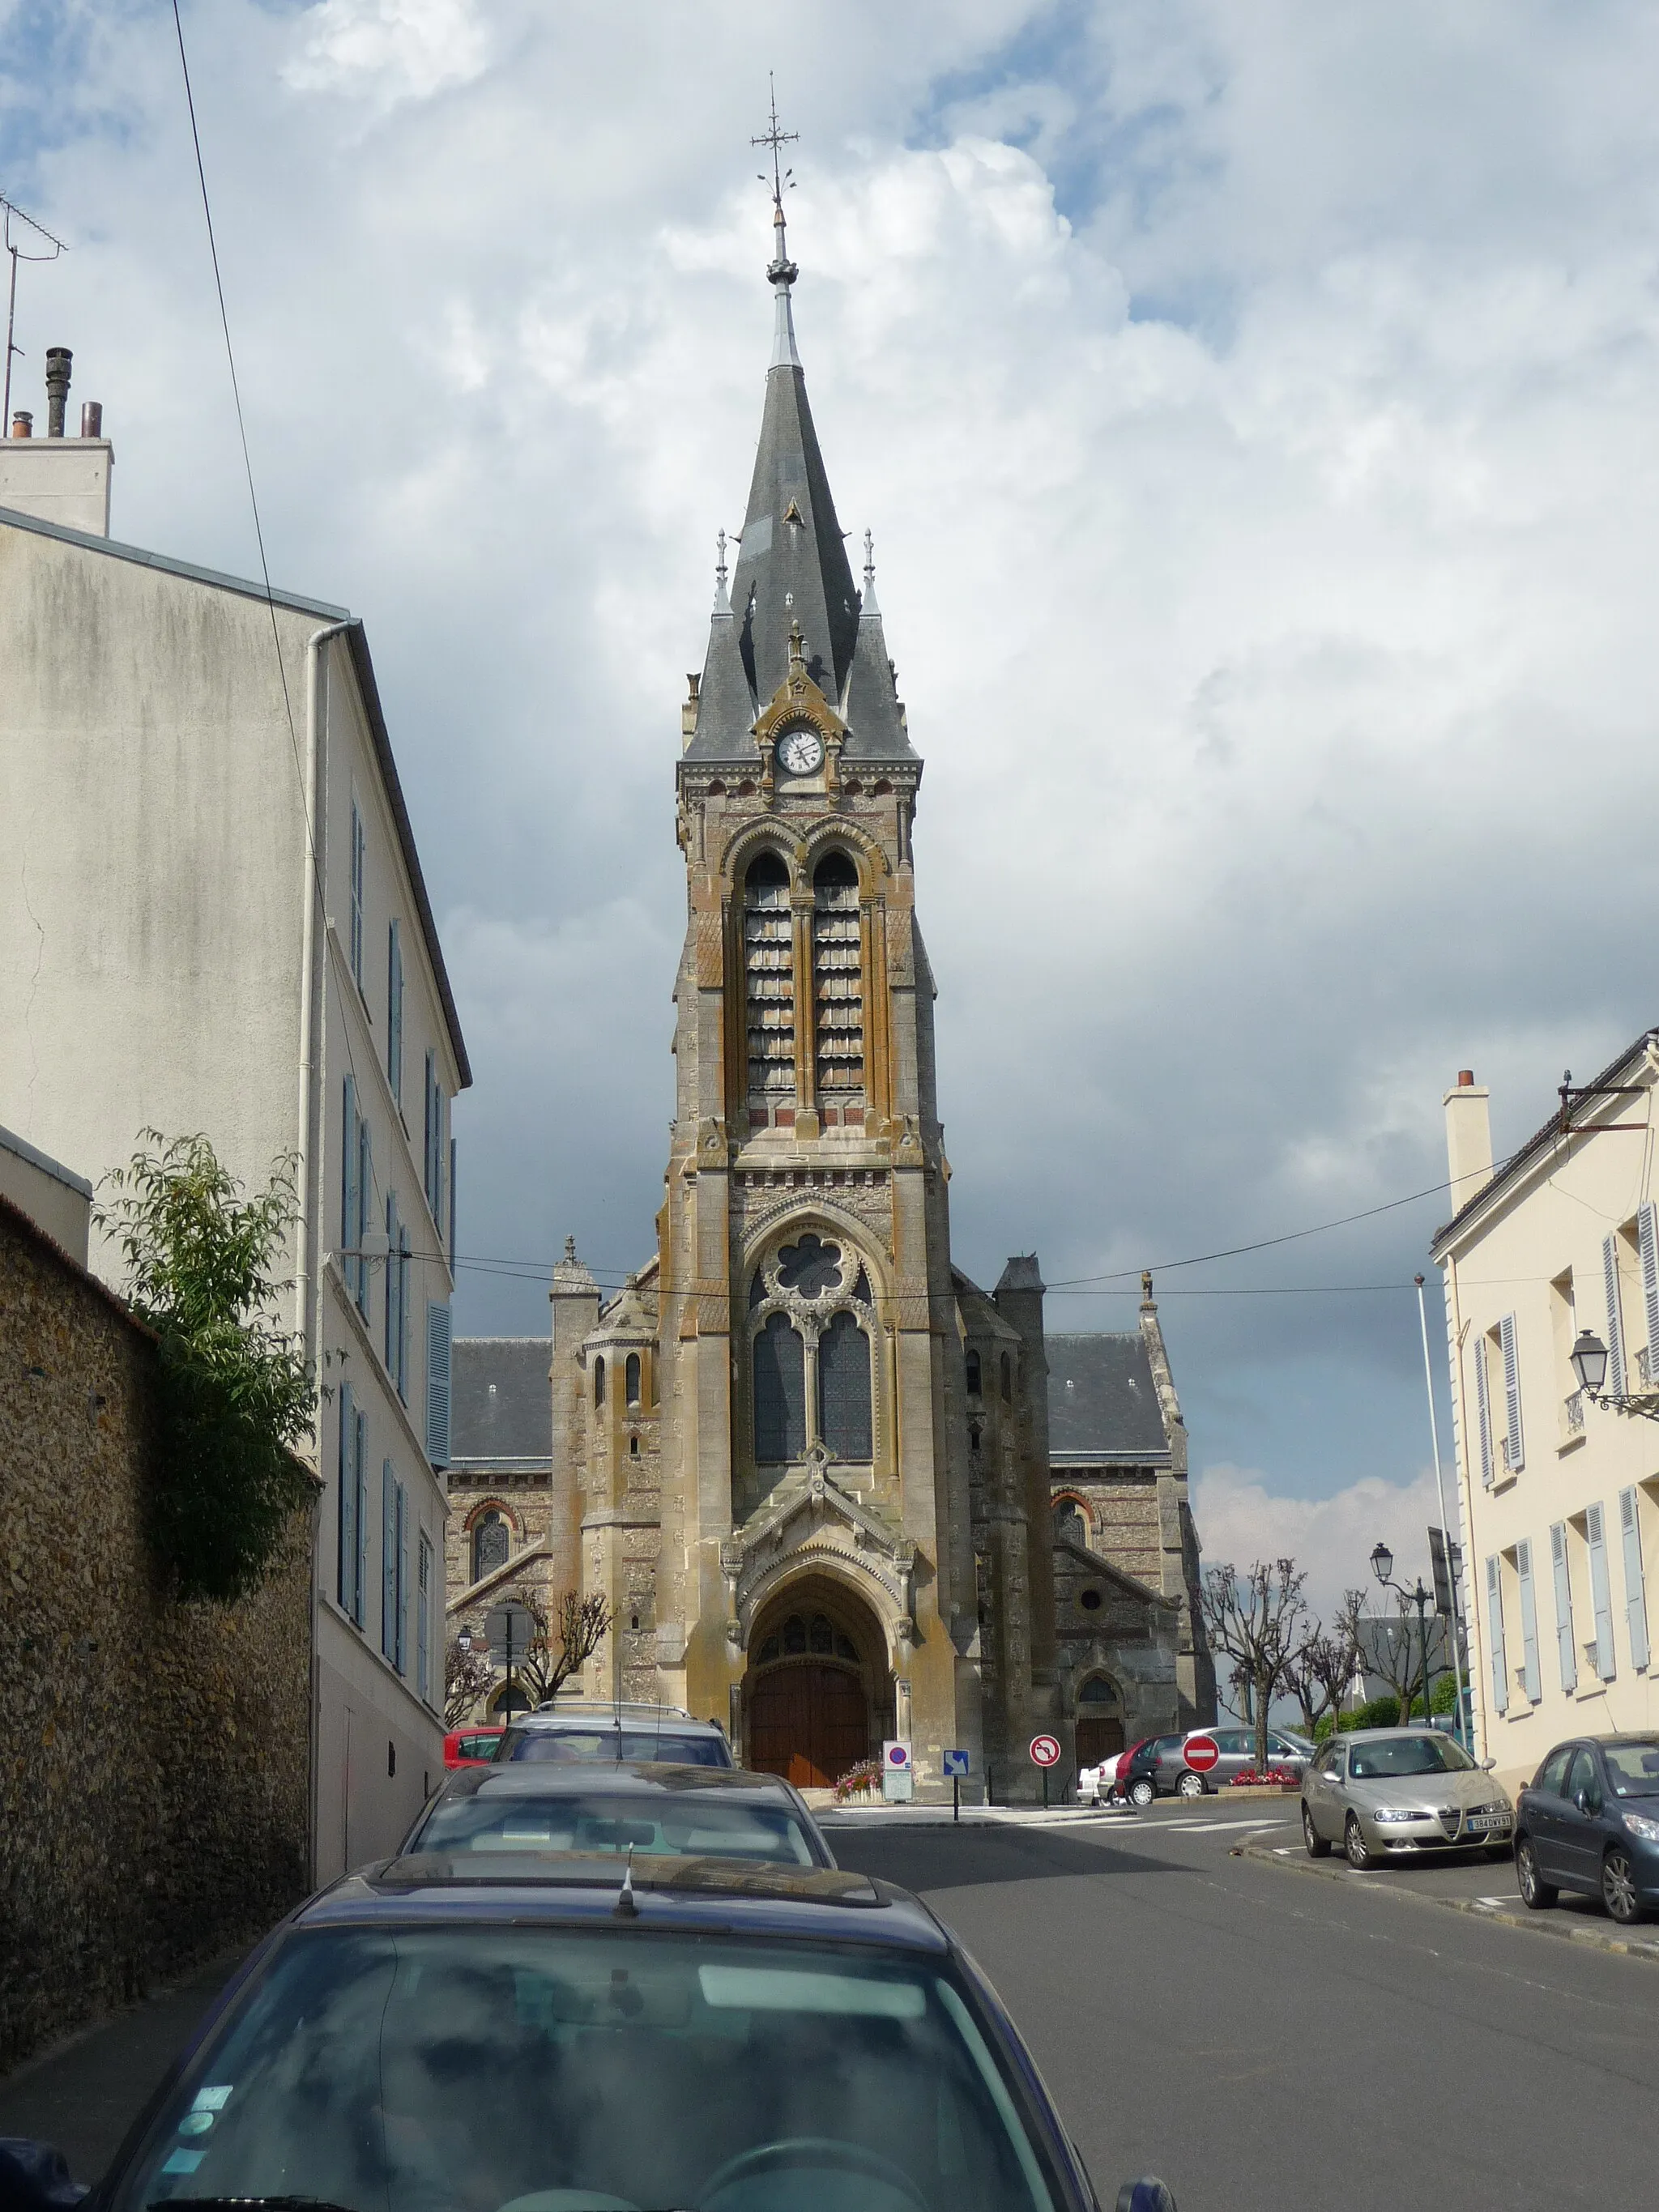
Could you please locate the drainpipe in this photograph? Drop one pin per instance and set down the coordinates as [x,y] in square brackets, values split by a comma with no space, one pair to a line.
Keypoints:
[308,1246]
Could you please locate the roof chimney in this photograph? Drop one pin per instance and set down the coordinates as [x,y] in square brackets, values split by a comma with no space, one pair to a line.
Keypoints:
[1469,1137]
[22,423]
[58,359]
[92,418]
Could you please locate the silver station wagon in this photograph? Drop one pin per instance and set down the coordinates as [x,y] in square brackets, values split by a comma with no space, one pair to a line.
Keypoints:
[1395,1793]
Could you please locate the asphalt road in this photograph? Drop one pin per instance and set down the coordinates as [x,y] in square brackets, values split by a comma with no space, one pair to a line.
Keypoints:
[1265,2039]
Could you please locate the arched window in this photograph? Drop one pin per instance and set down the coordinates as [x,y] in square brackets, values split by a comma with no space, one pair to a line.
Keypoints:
[631,1378]
[838,981]
[1007,1377]
[779,1393]
[810,1266]
[973,1374]
[1098,1692]
[1070,1527]
[768,964]
[489,1543]
[599,1380]
[844,1421]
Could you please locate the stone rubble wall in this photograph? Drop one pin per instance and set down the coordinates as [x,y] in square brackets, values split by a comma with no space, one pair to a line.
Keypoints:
[154,1756]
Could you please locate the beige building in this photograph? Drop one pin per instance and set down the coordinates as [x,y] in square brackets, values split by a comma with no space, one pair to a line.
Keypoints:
[1559,1494]
[213,919]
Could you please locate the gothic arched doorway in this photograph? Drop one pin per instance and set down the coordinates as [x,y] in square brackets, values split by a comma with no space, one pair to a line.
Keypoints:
[817,1695]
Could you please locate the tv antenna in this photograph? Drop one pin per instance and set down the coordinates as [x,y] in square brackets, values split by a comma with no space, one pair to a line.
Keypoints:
[14,214]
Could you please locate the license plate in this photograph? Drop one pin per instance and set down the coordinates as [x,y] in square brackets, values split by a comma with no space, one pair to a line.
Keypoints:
[1489,1820]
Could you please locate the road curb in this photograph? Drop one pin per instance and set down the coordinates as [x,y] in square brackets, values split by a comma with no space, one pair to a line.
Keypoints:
[1535,1924]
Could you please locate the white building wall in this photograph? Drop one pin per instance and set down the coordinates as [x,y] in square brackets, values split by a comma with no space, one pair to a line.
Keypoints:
[1523,1277]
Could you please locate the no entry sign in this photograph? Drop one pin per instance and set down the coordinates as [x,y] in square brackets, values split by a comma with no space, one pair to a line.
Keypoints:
[1200,1752]
[1045,1751]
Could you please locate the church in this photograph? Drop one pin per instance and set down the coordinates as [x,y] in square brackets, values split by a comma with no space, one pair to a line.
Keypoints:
[806,1460]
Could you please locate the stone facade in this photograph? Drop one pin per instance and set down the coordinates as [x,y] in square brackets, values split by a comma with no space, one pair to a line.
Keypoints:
[153,1757]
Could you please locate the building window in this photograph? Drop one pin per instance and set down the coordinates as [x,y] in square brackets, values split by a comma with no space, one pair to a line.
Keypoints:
[394,1567]
[599,1380]
[769,962]
[972,1374]
[489,1543]
[844,1420]
[1070,1527]
[423,1621]
[779,1393]
[434,1149]
[1090,1600]
[353,1559]
[631,1378]
[359,847]
[394,1011]
[838,981]
[437,1383]
[393,1326]
[809,1267]
[1007,1378]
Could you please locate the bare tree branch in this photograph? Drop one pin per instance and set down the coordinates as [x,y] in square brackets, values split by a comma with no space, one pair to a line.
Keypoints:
[562,1647]
[1257,1619]
[468,1676]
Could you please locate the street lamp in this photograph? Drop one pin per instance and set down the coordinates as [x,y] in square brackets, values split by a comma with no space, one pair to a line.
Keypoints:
[463,1642]
[1588,1358]
[1383,1568]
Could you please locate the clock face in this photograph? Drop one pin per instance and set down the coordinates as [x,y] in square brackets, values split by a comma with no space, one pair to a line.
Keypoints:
[801,751]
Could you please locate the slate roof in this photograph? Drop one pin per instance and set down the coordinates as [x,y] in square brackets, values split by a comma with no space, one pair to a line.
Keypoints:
[500,1404]
[1102,1403]
[793,567]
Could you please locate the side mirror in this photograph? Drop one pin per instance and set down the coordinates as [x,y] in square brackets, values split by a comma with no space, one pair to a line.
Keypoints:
[1149,2194]
[1487,1766]
[34,2177]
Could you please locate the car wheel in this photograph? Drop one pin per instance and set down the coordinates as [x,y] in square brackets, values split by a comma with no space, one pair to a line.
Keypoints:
[1190,1784]
[1141,1791]
[1318,1847]
[1536,1892]
[1619,1886]
[1358,1852]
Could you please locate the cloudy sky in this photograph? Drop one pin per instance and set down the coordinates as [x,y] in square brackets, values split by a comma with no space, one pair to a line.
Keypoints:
[1257,410]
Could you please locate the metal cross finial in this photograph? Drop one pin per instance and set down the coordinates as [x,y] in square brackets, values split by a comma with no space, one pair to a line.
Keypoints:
[776,140]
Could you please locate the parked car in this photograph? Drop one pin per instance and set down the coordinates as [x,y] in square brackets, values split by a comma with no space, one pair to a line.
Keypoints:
[1397,1793]
[569,1728]
[682,2032]
[470,1747]
[1125,1778]
[1173,1776]
[697,1811]
[1589,1820]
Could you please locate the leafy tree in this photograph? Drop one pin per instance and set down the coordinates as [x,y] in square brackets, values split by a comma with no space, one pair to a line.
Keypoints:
[236,1396]
[1257,1619]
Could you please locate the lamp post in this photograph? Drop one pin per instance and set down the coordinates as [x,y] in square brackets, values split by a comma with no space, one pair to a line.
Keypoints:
[1589,1363]
[1383,1568]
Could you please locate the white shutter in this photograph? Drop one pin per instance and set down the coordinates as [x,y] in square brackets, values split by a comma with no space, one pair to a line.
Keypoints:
[1515,1450]
[1566,1649]
[1482,1406]
[437,1383]
[1529,1677]
[1615,1381]
[1636,1595]
[1500,1686]
[1601,1593]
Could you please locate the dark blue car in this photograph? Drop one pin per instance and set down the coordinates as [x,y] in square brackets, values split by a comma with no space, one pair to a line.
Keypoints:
[487,2032]
[1589,1820]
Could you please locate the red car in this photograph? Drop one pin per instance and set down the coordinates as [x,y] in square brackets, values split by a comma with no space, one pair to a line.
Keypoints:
[471,1746]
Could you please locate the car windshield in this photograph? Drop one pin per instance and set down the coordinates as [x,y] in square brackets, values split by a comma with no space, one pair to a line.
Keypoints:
[697,1822]
[1407,1754]
[560,1745]
[524,2070]
[1633,1768]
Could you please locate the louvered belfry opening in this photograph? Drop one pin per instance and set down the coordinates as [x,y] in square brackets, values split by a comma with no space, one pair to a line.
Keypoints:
[769,987]
[838,988]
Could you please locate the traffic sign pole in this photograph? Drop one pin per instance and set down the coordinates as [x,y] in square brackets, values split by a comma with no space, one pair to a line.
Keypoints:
[955,1797]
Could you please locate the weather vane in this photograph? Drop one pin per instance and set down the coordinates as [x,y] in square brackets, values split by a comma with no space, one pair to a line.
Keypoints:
[777,140]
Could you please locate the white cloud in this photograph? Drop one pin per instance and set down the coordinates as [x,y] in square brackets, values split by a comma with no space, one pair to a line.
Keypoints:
[386,51]
[1241,1520]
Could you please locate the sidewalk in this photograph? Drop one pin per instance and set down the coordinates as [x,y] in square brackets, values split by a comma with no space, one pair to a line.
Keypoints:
[84,2093]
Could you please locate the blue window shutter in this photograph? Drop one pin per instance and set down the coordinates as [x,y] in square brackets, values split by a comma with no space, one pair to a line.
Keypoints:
[422,1609]
[1515,1450]
[1482,1406]
[347,1564]
[1601,1593]
[360,1604]
[403,1314]
[1566,1648]
[400,1655]
[365,1210]
[1500,1688]
[437,1383]
[1635,1594]
[394,1011]
[349,1167]
[388,1559]
[390,1339]
[1531,1681]
[429,1139]
[1615,1382]
[358,843]
[451,1203]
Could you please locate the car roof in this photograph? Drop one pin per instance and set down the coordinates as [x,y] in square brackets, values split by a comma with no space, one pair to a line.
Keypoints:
[596,1713]
[705,1896]
[1373,1735]
[630,1778]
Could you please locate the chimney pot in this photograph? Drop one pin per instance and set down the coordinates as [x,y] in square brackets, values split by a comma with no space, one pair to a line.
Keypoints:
[92,418]
[58,359]
[22,423]
[1466,1078]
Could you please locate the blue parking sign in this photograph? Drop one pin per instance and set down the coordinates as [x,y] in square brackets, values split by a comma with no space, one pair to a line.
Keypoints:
[956,1762]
